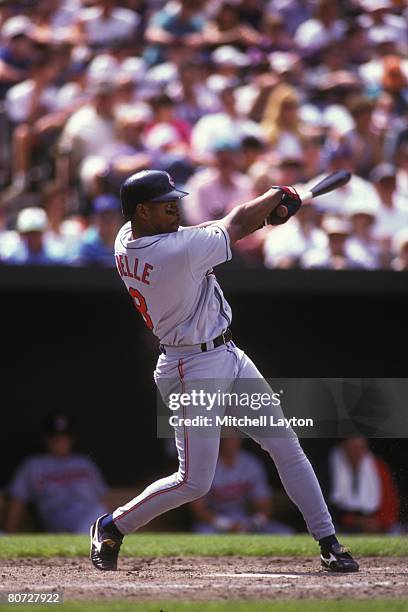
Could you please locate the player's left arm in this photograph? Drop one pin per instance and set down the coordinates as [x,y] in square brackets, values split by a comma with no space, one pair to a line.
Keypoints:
[275,206]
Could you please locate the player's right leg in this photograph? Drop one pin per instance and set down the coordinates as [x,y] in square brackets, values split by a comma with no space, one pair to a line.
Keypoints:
[296,473]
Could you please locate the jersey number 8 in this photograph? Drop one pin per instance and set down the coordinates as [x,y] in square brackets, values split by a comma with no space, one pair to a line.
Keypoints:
[141,306]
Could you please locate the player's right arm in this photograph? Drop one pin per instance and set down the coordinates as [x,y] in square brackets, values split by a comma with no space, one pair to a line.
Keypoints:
[250,216]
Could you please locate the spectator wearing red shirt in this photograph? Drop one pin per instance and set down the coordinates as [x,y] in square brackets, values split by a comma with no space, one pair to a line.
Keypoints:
[363,496]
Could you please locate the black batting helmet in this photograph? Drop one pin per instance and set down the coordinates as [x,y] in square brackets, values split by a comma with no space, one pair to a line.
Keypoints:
[145,187]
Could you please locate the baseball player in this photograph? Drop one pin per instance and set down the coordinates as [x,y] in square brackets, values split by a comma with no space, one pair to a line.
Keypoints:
[167,270]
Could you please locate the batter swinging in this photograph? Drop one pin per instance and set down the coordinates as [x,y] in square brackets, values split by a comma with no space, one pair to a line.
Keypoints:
[167,269]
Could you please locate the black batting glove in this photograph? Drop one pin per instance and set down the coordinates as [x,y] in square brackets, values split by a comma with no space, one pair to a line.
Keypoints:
[291,200]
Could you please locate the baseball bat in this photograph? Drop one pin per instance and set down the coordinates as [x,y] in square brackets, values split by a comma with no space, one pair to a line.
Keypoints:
[329,183]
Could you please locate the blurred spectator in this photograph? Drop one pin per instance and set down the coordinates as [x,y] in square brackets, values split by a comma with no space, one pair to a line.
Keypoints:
[400,249]
[392,213]
[32,244]
[402,170]
[357,190]
[281,121]
[214,191]
[240,499]
[89,129]
[174,21]
[294,12]
[252,150]
[125,154]
[286,245]
[164,111]
[312,159]
[192,97]
[362,246]
[67,489]
[275,34]
[379,13]
[326,26]
[290,170]
[106,24]
[365,143]
[16,52]
[96,247]
[27,105]
[227,124]
[334,256]
[227,28]
[64,229]
[53,21]
[363,497]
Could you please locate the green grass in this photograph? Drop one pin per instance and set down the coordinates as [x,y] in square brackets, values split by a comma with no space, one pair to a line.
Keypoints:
[170,544]
[389,605]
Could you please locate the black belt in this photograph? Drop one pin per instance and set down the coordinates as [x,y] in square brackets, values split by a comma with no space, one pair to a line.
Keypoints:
[223,338]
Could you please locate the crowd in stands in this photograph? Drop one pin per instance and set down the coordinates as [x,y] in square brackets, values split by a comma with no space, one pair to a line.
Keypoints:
[230,97]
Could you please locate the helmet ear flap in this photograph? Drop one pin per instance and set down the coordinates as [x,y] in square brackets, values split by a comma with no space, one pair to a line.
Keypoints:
[127,206]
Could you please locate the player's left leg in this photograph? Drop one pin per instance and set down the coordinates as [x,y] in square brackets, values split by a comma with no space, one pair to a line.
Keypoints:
[297,476]
[197,447]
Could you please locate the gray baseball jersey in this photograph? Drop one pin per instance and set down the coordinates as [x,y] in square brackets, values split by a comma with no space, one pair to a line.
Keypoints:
[171,280]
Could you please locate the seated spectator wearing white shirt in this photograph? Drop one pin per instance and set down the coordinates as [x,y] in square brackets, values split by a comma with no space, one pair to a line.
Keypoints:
[106,23]
[363,497]
[326,26]
[362,246]
[392,214]
[379,13]
[334,256]
[16,52]
[90,128]
[357,190]
[224,124]
[240,499]
[66,488]
[27,105]
[286,245]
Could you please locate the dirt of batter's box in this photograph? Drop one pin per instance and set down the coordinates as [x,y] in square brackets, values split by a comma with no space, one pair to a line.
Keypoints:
[207,578]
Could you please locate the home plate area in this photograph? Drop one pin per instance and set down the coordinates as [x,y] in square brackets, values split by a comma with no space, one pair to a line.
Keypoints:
[207,578]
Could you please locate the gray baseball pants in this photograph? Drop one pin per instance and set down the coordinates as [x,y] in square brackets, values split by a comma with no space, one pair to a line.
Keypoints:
[198,449]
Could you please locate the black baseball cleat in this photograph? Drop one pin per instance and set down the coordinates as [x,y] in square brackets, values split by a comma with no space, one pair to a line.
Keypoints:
[105,547]
[338,559]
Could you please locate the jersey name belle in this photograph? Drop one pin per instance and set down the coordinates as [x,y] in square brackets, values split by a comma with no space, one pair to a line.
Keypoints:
[138,270]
